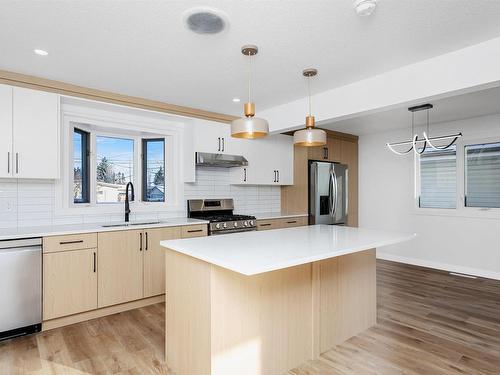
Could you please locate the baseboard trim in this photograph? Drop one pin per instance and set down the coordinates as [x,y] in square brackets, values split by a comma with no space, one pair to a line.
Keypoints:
[93,314]
[439,266]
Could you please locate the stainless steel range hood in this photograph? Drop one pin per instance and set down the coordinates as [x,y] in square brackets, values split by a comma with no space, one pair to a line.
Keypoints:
[205,159]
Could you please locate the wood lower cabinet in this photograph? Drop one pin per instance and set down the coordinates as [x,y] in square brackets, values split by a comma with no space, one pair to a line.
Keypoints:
[268,224]
[120,267]
[154,259]
[69,282]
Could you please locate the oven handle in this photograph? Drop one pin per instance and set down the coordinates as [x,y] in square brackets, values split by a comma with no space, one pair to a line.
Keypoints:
[216,233]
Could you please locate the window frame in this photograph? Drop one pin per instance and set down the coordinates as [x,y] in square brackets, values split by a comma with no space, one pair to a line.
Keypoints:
[461,209]
[144,177]
[85,165]
[121,122]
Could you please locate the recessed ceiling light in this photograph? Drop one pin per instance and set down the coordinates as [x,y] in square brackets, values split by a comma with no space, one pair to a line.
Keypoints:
[365,7]
[203,20]
[236,100]
[41,52]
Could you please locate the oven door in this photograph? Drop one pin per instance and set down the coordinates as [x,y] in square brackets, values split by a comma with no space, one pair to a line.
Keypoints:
[228,231]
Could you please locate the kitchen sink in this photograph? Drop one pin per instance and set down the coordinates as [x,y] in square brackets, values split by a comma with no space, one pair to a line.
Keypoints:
[130,224]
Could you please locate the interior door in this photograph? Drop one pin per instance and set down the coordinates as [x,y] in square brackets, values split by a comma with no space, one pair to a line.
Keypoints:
[5,131]
[154,259]
[35,134]
[120,267]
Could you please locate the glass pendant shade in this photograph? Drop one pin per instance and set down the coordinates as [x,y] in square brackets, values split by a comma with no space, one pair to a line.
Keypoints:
[309,137]
[249,127]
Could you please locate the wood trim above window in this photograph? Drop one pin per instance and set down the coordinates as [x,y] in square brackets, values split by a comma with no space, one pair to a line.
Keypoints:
[43,84]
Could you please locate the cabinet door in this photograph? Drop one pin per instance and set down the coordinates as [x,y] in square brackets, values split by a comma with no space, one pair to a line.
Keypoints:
[283,151]
[120,267]
[5,131]
[317,153]
[35,134]
[334,149]
[349,156]
[213,137]
[69,283]
[154,259]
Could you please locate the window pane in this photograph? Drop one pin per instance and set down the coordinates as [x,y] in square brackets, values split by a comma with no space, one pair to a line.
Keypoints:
[153,168]
[438,178]
[482,175]
[80,166]
[115,168]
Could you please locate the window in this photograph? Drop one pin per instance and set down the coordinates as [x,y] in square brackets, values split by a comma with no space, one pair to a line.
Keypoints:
[80,166]
[153,170]
[482,175]
[114,168]
[438,179]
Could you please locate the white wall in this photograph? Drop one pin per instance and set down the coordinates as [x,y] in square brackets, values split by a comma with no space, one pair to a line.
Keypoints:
[32,202]
[468,245]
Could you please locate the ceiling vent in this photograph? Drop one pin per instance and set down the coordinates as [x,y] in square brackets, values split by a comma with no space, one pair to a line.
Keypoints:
[205,21]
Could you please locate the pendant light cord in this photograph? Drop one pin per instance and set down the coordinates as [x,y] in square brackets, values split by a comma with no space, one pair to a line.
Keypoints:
[309,93]
[249,76]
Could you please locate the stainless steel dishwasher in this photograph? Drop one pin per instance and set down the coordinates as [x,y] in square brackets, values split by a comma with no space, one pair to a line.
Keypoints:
[20,287]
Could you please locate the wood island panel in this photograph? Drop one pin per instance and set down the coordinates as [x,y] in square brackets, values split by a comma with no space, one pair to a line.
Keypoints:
[220,322]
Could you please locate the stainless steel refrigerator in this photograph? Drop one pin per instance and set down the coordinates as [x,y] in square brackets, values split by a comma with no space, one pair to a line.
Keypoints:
[327,193]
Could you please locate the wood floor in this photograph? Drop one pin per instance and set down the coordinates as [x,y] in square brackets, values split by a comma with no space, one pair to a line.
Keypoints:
[428,323]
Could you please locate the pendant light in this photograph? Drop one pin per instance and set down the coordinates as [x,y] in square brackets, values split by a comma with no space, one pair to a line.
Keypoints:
[309,137]
[426,141]
[249,126]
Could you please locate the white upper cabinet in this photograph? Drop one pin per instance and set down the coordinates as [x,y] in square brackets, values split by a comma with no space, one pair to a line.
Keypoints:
[270,162]
[29,145]
[5,131]
[214,137]
[35,134]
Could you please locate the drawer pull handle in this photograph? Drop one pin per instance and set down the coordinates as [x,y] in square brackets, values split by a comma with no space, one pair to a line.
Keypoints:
[70,242]
[291,222]
[265,225]
[194,230]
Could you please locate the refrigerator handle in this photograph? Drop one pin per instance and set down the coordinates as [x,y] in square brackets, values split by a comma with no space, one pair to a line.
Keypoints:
[330,193]
[335,195]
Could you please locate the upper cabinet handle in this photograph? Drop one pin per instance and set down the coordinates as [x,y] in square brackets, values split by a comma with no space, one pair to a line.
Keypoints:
[219,144]
[223,144]
[274,175]
[17,162]
[278,173]
[8,162]
[244,175]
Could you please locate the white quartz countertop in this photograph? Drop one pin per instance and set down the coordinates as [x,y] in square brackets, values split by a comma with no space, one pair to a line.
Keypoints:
[277,215]
[55,230]
[251,253]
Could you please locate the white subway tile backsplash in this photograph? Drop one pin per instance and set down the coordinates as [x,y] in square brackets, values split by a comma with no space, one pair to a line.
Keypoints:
[32,202]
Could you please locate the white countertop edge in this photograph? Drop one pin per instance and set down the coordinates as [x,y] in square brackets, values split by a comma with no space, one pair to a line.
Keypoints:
[294,262]
[60,230]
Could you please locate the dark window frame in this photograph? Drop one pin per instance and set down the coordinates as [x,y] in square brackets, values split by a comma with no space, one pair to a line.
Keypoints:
[144,169]
[85,155]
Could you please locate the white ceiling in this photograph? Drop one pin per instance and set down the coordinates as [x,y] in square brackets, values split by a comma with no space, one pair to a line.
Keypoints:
[142,48]
[460,107]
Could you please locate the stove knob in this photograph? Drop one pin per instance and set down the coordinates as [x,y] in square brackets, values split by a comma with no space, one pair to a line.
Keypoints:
[235,224]
[224,225]
[245,224]
[251,223]
[217,226]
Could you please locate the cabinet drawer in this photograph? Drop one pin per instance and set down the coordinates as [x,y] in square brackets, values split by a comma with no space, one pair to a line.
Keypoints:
[294,222]
[69,242]
[268,224]
[189,231]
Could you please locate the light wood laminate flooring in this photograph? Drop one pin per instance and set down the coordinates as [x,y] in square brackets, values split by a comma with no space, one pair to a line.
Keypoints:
[428,323]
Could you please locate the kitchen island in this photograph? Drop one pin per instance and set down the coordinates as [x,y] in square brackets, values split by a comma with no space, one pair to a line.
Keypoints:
[261,303]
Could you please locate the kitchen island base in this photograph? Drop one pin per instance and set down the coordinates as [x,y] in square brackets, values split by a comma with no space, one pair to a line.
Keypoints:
[221,322]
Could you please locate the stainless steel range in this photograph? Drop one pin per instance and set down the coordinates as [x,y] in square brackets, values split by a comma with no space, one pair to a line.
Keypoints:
[219,213]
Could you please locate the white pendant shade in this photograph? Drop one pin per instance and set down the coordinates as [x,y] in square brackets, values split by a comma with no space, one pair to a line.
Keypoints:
[309,137]
[249,127]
